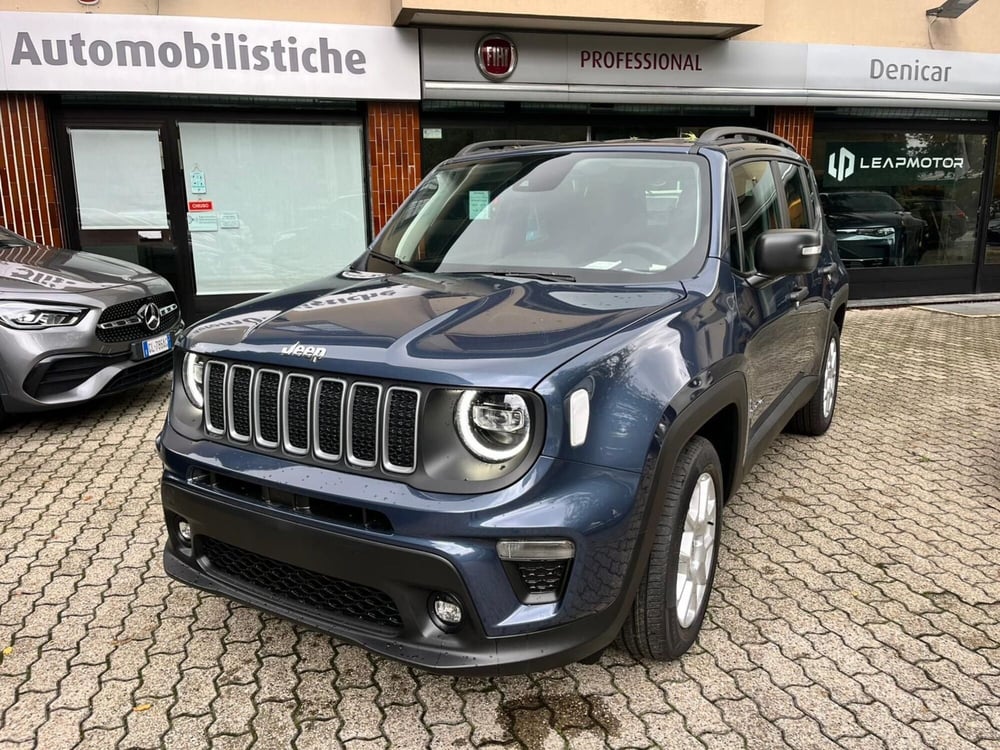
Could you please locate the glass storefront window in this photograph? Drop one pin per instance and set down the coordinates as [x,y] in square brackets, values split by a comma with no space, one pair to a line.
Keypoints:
[993,224]
[900,198]
[450,125]
[271,205]
[440,143]
[110,195]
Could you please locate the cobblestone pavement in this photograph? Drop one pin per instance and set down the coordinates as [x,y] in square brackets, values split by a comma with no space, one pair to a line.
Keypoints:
[857,603]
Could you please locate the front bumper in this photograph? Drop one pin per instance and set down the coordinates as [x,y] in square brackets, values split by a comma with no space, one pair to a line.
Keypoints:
[52,369]
[868,250]
[281,559]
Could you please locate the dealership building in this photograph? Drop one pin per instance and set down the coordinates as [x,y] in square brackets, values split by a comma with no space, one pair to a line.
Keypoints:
[239,147]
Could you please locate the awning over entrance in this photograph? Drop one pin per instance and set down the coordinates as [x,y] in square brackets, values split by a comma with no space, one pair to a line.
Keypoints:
[686,18]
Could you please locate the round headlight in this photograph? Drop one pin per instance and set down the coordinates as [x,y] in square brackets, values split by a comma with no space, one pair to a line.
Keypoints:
[194,378]
[493,425]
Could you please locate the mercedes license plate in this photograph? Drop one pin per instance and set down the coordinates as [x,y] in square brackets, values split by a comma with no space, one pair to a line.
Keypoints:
[152,347]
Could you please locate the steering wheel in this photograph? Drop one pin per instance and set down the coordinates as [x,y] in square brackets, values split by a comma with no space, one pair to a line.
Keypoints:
[645,250]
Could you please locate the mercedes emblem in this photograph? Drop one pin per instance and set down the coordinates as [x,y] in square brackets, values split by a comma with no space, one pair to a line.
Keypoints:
[150,315]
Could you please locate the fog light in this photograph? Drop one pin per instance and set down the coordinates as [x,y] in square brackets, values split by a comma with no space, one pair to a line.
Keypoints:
[535,549]
[184,532]
[447,610]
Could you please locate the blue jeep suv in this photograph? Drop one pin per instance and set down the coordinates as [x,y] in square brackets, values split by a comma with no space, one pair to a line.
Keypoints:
[504,436]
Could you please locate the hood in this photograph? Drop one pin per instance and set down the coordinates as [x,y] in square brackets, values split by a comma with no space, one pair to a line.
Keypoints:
[864,219]
[452,330]
[38,269]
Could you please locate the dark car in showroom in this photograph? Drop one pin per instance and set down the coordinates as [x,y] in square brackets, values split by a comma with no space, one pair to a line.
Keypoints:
[873,229]
[75,326]
[504,435]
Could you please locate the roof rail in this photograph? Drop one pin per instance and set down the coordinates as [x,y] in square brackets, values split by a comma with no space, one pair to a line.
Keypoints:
[714,135]
[474,148]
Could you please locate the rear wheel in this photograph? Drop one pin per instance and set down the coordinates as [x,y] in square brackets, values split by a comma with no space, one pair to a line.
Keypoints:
[815,417]
[673,595]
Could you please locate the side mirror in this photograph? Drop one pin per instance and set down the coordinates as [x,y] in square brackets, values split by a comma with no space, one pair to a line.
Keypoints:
[785,252]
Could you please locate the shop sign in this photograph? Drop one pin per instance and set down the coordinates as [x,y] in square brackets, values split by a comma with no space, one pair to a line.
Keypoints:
[618,59]
[199,205]
[858,164]
[496,56]
[555,67]
[883,69]
[592,68]
[229,56]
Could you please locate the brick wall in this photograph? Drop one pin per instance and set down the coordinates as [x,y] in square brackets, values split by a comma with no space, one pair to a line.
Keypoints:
[796,125]
[394,153]
[29,204]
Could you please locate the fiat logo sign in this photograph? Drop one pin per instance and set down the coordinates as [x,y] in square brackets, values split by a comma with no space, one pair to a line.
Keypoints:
[496,56]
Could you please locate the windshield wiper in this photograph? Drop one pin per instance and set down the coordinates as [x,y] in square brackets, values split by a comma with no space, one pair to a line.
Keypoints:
[401,265]
[540,275]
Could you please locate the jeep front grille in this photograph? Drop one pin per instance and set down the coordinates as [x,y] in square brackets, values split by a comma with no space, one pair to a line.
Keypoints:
[329,419]
[362,435]
[329,407]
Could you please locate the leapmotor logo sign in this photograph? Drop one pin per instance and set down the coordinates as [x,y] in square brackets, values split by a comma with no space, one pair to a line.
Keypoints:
[841,165]
[868,163]
[68,52]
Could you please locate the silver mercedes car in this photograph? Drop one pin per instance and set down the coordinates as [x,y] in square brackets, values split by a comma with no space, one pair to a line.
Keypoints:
[74,326]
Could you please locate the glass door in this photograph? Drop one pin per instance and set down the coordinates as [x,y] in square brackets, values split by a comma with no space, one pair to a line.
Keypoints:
[121,201]
[224,209]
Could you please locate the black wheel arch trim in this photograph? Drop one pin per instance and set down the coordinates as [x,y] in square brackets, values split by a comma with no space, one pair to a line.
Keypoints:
[839,300]
[730,390]
[671,436]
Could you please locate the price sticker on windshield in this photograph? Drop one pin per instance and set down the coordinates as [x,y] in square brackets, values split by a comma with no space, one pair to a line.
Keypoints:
[479,204]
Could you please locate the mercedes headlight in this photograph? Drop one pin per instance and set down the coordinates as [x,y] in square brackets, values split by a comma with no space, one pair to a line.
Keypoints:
[194,378]
[33,316]
[495,426]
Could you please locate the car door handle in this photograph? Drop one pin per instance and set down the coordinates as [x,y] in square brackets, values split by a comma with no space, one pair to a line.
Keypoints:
[798,294]
[827,270]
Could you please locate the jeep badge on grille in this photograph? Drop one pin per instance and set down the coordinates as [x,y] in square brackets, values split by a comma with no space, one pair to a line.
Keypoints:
[311,353]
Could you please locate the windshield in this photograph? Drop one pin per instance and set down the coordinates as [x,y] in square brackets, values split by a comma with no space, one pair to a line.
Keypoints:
[860,202]
[590,216]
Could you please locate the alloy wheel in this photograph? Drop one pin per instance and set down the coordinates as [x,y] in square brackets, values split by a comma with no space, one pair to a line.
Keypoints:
[697,550]
[830,379]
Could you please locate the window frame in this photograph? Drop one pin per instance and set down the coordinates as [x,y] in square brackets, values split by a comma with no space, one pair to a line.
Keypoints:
[804,184]
[739,268]
[812,202]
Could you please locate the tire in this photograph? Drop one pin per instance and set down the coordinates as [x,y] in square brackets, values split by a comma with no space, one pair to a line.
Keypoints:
[816,416]
[657,628]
